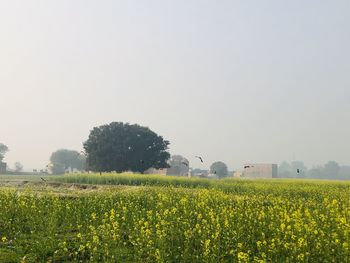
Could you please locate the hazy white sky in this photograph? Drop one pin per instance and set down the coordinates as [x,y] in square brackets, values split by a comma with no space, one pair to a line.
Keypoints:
[237,81]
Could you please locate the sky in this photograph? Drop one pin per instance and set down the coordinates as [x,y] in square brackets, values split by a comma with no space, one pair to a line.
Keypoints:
[233,81]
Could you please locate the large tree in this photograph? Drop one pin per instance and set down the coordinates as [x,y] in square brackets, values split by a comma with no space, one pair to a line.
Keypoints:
[121,147]
[220,169]
[3,150]
[64,159]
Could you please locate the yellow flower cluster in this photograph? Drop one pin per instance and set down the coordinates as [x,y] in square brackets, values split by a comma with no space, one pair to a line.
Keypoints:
[254,222]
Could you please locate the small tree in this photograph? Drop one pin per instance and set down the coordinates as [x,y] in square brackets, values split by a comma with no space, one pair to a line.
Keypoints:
[220,169]
[3,150]
[179,165]
[18,167]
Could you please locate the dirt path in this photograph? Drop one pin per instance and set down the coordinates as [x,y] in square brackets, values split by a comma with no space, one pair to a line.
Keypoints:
[61,188]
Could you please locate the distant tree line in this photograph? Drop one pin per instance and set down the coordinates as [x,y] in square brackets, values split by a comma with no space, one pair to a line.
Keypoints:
[330,170]
[120,147]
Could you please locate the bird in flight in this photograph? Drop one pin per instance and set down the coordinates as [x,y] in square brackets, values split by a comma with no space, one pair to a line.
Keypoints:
[298,171]
[184,163]
[200,158]
[248,166]
[42,179]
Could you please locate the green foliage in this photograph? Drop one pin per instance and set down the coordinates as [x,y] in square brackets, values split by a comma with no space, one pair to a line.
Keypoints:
[248,221]
[220,169]
[122,147]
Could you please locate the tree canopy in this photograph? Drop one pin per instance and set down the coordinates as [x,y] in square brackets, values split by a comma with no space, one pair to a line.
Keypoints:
[63,159]
[3,150]
[220,169]
[124,147]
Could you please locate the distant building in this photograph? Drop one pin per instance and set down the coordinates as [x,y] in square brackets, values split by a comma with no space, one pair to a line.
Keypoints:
[260,171]
[3,168]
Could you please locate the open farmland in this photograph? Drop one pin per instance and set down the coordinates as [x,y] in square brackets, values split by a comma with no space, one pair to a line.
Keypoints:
[138,218]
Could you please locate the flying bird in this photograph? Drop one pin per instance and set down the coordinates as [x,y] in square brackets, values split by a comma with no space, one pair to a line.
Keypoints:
[184,163]
[200,158]
[42,179]
[298,171]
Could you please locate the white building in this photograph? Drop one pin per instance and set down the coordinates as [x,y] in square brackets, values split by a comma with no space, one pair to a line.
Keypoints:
[260,170]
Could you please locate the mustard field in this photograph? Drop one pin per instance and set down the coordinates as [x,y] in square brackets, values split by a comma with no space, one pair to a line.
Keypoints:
[127,218]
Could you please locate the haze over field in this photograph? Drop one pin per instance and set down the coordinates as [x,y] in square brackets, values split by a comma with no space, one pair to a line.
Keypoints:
[236,81]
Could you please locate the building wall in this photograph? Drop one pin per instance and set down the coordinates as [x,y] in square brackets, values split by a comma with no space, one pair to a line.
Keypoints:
[260,171]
